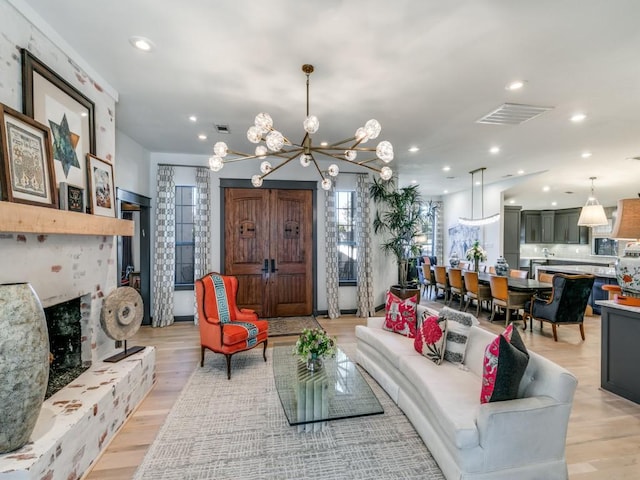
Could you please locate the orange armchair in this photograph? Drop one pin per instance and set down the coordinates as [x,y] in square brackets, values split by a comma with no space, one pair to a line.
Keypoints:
[223,327]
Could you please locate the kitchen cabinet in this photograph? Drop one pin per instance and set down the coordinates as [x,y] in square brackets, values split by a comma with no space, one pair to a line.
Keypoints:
[547,221]
[566,229]
[553,226]
[511,238]
[531,227]
[619,353]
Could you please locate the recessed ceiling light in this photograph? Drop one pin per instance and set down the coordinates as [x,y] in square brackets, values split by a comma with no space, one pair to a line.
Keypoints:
[553,204]
[142,43]
[446,191]
[478,183]
[512,201]
[193,118]
[494,150]
[414,149]
[414,181]
[324,144]
[446,168]
[520,172]
[586,154]
[515,85]
[546,188]
[202,136]
[578,117]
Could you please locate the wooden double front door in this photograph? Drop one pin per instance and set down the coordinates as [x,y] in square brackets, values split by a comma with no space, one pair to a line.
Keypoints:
[268,246]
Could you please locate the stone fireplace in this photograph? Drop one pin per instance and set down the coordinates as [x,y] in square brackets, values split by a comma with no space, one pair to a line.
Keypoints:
[65,326]
[77,422]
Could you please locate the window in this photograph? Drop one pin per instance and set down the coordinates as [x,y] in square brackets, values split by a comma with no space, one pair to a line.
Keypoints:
[347,248]
[185,244]
[429,229]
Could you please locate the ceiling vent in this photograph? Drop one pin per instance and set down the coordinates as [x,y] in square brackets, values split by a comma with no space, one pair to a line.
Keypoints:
[512,114]
[223,129]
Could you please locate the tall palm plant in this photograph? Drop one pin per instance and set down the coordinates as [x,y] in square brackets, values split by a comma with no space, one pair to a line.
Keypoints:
[399,217]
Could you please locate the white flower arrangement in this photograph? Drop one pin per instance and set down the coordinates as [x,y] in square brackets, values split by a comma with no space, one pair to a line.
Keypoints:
[476,252]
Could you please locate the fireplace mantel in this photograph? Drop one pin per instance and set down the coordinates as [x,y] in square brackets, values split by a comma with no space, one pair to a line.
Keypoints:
[20,218]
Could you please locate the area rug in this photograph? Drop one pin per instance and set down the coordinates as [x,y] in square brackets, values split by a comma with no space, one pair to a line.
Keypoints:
[284,326]
[237,429]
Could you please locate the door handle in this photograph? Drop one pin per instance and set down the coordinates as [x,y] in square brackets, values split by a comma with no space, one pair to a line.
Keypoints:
[273,266]
[265,268]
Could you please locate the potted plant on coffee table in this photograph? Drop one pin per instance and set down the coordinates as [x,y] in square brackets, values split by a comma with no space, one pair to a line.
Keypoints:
[313,345]
[399,218]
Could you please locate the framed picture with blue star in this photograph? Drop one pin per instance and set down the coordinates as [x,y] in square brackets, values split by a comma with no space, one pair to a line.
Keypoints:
[26,165]
[54,102]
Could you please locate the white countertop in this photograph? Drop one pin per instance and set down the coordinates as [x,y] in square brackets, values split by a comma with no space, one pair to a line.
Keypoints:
[607,272]
[605,260]
[612,304]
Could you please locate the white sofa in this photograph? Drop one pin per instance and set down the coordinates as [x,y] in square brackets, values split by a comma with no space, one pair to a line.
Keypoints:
[515,439]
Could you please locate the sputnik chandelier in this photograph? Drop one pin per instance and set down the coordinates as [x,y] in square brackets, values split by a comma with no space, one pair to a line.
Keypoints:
[278,146]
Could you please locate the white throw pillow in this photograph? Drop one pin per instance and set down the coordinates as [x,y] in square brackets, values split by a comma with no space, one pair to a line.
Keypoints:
[458,326]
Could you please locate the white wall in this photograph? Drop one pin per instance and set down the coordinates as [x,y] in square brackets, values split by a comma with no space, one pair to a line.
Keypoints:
[59,267]
[459,205]
[132,165]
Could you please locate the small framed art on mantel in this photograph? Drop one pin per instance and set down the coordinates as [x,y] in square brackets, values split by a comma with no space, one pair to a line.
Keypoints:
[101,190]
[27,173]
[71,197]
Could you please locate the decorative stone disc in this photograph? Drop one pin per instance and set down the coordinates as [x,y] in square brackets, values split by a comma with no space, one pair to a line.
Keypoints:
[121,314]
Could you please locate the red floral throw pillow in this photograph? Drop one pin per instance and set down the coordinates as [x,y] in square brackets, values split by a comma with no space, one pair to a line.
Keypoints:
[401,315]
[431,338]
[505,360]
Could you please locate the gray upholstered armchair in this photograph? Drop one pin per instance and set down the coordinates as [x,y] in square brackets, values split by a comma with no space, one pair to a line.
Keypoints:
[567,303]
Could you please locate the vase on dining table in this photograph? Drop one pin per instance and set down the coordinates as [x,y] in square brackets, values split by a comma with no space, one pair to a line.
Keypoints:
[476,264]
[502,267]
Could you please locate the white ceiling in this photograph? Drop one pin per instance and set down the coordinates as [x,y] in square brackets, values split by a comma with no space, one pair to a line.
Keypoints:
[427,70]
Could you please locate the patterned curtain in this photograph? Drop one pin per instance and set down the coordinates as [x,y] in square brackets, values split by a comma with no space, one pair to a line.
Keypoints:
[164,260]
[331,245]
[201,229]
[438,234]
[366,308]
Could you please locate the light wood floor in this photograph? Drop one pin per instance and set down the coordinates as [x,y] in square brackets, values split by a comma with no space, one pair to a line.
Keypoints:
[603,441]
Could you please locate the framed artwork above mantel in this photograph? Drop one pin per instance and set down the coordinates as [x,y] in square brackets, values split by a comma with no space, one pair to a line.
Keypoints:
[54,102]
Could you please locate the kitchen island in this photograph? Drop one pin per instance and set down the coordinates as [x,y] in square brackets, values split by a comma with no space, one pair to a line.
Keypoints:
[620,355]
[605,275]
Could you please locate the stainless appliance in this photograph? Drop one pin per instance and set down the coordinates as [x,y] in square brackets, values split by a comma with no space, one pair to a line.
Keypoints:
[604,246]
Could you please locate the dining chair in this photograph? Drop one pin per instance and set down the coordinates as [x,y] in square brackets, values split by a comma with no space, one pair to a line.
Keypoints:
[475,291]
[442,281]
[491,270]
[429,278]
[566,305]
[513,273]
[545,277]
[456,285]
[505,298]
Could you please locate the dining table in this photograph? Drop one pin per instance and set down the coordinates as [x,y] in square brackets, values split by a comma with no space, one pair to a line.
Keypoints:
[516,284]
[519,284]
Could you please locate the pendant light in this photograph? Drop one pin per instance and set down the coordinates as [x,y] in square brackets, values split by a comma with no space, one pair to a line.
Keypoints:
[592,214]
[477,222]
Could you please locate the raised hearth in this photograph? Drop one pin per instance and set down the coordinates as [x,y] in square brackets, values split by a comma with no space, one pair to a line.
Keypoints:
[77,422]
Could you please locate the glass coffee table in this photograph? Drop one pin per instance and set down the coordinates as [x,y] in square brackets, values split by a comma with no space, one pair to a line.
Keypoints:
[311,399]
